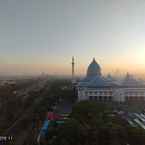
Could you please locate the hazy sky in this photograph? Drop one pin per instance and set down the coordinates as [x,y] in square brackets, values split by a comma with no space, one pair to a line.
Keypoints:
[43,35]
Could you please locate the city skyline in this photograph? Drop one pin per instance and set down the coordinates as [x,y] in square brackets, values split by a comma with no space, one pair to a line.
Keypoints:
[42,36]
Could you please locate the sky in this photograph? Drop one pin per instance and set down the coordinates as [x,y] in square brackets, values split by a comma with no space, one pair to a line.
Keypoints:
[42,35]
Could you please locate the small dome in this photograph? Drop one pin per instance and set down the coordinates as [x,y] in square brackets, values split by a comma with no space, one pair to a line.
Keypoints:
[94,69]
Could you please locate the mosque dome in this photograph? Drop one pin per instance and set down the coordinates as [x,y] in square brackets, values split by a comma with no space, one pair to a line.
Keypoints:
[94,69]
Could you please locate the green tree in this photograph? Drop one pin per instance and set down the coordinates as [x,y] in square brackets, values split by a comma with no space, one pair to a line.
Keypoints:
[94,123]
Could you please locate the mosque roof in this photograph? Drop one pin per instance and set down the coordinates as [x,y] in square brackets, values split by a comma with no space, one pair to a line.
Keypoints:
[96,81]
[94,78]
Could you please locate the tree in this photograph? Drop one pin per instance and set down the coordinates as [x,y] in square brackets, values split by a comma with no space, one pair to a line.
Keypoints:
[90,113]
[136,136]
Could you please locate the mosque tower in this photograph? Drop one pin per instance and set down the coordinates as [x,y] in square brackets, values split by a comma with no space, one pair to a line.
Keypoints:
[73,68]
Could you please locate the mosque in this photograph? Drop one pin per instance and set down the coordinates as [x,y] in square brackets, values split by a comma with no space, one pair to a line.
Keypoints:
[100,88]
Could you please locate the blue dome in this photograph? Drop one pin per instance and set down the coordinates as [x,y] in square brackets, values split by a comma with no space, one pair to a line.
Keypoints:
[94,69]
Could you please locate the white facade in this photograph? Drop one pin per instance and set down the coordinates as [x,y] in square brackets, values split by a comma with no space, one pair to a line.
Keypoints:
[98,94]
[111,94]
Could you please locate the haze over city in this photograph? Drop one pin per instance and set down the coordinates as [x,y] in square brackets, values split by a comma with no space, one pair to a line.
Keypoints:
[72,72]
[42,36]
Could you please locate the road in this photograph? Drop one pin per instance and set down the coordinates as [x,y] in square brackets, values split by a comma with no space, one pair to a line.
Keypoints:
[23,135]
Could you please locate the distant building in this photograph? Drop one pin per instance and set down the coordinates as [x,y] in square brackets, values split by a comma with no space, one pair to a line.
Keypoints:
[99,88]
[7,82]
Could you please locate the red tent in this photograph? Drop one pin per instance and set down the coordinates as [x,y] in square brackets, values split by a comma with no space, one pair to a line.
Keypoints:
[53,116]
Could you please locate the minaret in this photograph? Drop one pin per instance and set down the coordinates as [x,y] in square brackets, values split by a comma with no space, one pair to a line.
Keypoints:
[73,65]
